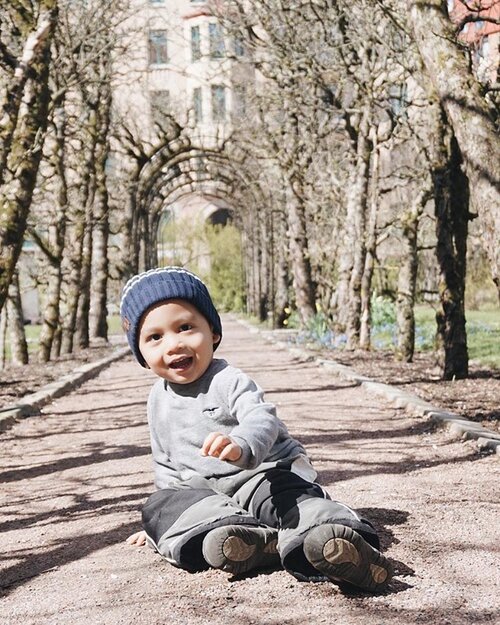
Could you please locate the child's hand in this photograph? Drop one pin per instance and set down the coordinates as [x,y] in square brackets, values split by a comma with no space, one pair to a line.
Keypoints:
[137,540]
[221,446]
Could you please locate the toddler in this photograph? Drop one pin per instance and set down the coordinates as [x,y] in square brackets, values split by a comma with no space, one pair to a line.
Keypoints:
[235,491]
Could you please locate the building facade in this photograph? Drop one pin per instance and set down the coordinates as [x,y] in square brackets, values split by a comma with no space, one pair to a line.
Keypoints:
[478,22]
[179,62]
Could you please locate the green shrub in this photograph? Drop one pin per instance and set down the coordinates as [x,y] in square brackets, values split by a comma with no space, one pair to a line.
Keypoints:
[225,280]
[383,311]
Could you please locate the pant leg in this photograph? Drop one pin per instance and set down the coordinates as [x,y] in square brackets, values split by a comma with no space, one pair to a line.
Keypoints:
[293,505]
[177,520]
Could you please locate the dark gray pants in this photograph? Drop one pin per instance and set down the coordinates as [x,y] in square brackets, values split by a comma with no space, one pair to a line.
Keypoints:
[177,520]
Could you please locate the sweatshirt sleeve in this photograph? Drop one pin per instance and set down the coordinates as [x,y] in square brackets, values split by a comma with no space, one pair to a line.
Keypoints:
[258,426]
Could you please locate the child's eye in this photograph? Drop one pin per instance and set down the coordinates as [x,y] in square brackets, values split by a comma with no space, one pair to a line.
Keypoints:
[154,337]
[185,327]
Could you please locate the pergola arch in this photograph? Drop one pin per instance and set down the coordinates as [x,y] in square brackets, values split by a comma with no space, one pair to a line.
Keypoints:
[179,171]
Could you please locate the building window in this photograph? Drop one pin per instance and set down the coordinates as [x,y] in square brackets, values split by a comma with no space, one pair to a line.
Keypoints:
[197,105]
[483,49]
[195,43]
[159,103]
[218,103]
[239,47]
[216,41]
[239,101]
[158,47]
[398,100]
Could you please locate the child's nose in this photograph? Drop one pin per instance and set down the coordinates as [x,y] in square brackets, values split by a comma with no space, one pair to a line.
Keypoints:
[172,343]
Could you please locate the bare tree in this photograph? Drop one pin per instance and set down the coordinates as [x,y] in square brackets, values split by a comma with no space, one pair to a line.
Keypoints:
[24,65]
[467,112]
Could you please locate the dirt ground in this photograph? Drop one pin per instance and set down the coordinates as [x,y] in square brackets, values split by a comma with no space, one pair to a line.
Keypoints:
[476,398]
[74,479]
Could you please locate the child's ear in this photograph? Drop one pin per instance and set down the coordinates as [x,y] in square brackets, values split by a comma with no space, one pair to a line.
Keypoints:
[215,338]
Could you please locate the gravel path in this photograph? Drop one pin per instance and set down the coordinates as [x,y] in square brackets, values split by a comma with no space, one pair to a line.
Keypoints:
[73,481]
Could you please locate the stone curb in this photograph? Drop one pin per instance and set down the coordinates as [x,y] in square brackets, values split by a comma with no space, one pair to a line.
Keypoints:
[458,426]
[31,404]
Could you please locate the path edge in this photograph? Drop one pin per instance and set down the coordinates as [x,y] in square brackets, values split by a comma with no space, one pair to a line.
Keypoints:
[31,405]
[458,426]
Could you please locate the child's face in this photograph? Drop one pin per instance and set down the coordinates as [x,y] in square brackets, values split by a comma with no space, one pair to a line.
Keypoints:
[176,341]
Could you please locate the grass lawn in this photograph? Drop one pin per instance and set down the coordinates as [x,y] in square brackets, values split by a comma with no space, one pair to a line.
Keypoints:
[483,332]
[33,334]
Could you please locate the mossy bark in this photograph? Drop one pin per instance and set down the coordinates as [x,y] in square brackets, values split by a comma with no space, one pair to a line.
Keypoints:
[56,240]
[22,138]
[460,95]
[17,335]
[451,205]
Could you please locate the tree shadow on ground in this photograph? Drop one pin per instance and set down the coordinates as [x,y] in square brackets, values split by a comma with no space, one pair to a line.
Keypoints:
[332,438]
[405,466]
[124,504]
[311,389]
[120,452]
[129,425]
[110,407]
[67,550]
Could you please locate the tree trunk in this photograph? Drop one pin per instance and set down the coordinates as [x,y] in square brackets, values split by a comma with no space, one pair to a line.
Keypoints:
[451,199]
[340,299]
[51,318]
[359,198]
[82,318]
[468,114]
[22,137]
[17,335]
[56,239]
[72,290]
[265,244]
[3,337]
[407,280]
[130,251]
[251,251]
[282,273]
[371,247]
[98,308]
[79,246]
[300,263]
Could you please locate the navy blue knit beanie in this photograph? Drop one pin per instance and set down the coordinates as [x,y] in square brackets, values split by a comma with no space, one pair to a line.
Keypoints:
[151,287]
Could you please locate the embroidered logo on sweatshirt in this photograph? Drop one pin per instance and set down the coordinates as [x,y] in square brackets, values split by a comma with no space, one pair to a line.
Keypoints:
[218,414]
[211,412]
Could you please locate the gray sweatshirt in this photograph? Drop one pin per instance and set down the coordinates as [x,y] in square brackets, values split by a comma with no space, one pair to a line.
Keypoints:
[223,400]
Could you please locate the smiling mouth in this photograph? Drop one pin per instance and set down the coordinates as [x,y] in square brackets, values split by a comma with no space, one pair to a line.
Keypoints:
[182,363]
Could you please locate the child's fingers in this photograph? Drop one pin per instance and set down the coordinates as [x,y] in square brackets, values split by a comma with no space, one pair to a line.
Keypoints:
[215,445]
[218,445]
[207,443]
[231,452]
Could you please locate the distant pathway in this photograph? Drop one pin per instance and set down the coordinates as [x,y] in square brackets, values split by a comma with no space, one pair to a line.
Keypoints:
[73,481]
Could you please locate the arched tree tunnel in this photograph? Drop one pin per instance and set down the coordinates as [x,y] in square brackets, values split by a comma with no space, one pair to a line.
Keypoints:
[225,187]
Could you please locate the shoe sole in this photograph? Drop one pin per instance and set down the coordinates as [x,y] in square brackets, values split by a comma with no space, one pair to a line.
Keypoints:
[343,555]
[237,549]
